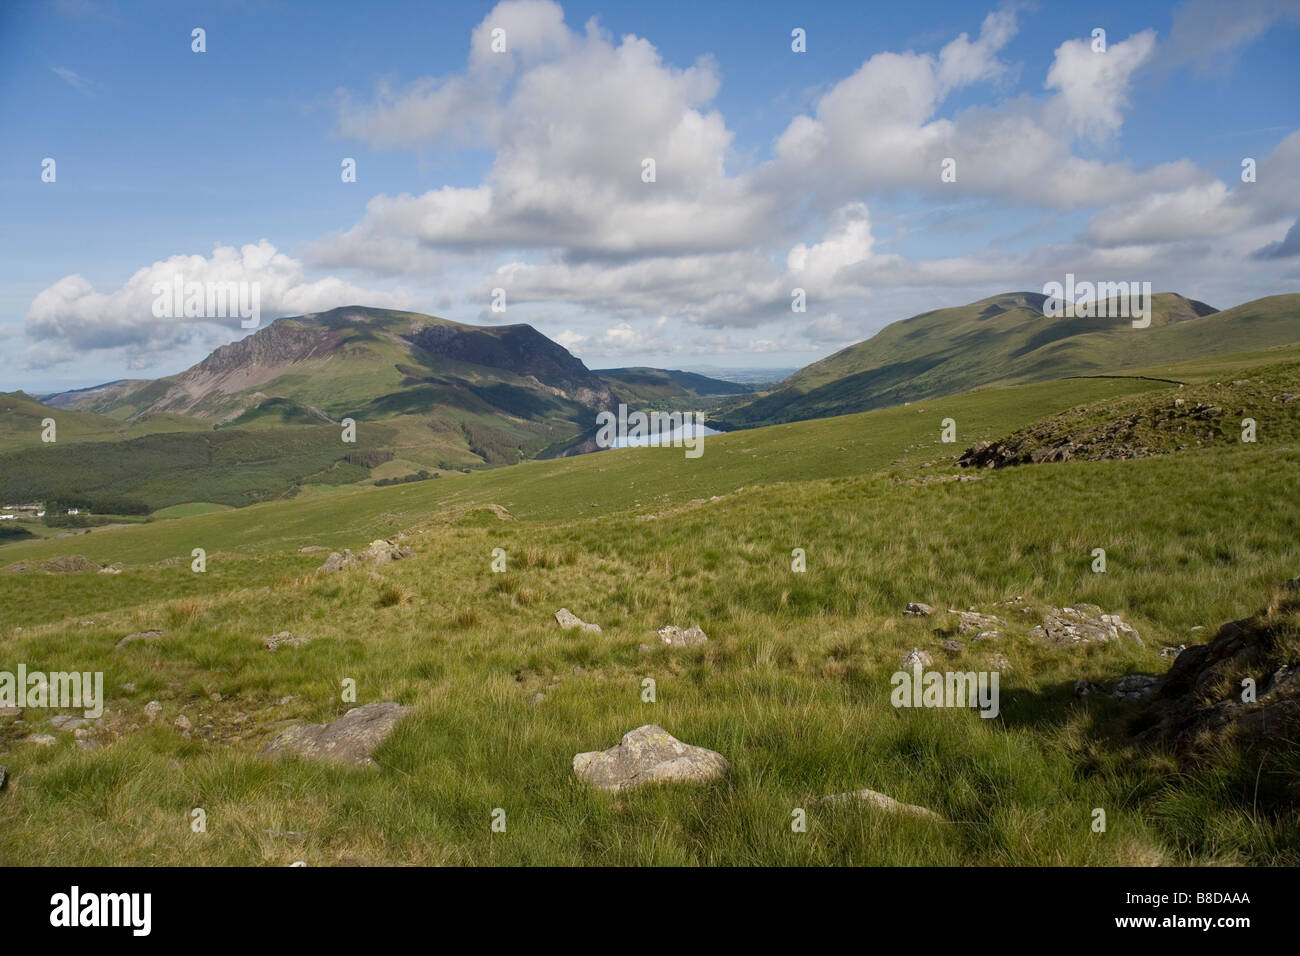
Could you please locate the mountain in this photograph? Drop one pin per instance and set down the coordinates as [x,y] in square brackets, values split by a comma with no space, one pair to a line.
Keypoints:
[456,395]
[1007,339]
[646,385]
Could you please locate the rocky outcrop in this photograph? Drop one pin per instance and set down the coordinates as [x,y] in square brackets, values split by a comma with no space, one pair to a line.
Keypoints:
[349,740]
[378,553]
[648,755]
[1243,684]
[1082,624]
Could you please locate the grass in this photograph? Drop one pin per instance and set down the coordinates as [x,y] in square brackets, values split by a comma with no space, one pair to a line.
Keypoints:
[793,686]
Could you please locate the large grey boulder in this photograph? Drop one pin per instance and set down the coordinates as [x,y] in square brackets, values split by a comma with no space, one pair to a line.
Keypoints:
[647,755]
[349,740]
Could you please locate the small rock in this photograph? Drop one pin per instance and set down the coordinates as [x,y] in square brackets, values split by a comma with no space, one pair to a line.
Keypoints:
[182,723]
[678,638]
[915,609]
[215,697]
[568,620]
[151,635]
[67,722]
[999,662]
[1168,651]
[14,712]
[953,646]
[128,687]
[916,657]
[648,755]
[879,801]
[285,638]
[40,740]
[152,709]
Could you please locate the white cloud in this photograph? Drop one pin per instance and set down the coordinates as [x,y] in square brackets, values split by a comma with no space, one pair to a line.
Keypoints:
[1094,85]
[72,313]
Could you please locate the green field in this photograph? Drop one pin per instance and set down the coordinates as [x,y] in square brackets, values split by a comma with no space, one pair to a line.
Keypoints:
[792,688]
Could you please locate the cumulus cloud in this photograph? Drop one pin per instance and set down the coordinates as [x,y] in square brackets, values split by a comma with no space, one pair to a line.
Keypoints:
[74,314]
[563,217]
[1094,84]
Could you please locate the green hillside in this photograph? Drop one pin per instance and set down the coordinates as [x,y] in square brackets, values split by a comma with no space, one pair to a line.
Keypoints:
[1006,339]
[793,686]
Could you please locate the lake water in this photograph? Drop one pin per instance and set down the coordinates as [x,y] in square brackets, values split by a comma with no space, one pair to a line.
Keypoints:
[666,437]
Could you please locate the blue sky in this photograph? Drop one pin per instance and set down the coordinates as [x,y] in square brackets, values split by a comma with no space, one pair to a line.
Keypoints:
[521,170]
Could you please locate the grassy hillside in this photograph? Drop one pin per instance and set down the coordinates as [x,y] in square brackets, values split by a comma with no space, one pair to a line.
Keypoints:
[1006,339]
[793,686]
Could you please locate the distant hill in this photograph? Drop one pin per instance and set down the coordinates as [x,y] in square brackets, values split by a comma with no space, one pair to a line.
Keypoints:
[656,384]
[1007,339]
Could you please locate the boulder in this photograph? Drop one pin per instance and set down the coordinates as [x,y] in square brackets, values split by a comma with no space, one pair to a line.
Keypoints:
[568,620]
[349,740]
[675,636]
[648,755]
[915,609]
[878,801]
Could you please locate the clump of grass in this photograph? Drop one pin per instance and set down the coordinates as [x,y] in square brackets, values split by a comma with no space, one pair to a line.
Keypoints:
[391,595]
